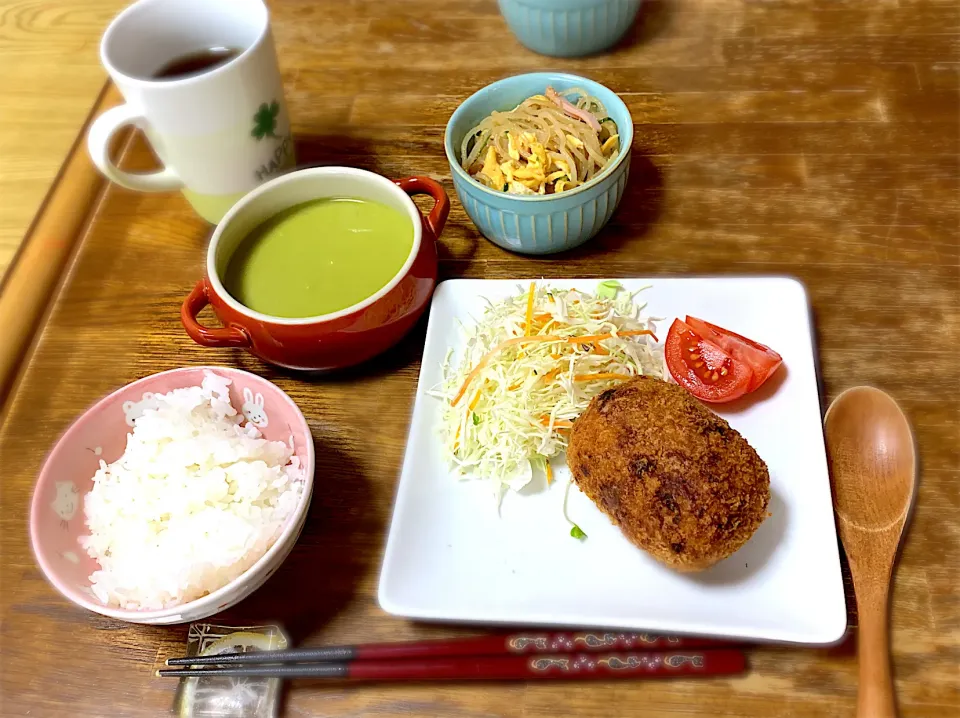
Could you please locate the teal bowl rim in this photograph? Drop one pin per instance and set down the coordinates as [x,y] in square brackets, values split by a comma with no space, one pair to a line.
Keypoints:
[451,152]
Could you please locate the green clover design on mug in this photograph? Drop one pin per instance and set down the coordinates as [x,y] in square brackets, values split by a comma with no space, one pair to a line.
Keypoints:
[265,120]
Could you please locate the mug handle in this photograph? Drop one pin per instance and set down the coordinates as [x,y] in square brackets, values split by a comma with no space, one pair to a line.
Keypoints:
[207,336]
[98,144]
[424,185]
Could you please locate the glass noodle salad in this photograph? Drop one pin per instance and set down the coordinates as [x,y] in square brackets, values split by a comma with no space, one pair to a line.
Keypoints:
[530,367]
[549,143]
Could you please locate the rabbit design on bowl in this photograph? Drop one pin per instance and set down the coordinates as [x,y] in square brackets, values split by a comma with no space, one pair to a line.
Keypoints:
[253,409]
[66,501]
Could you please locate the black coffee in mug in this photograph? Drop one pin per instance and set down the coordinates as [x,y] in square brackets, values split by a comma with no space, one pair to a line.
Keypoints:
[196,63]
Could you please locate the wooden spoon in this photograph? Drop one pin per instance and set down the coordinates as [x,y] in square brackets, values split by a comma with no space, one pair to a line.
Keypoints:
[873,472]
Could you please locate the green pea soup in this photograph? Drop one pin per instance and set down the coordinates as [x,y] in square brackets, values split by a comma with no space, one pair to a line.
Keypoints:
[319,257]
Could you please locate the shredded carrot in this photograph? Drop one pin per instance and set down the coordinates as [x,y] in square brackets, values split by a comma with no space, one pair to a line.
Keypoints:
[546,377]
[542,317]
[549,473]
[558,424]
[529,324]
[485,359]
[476,400]
[601,375]
[456,439]
[556,356]
[597,348]
[592,338]
[551,374]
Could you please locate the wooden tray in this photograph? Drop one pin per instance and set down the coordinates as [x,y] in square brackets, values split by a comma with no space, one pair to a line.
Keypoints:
[746,161]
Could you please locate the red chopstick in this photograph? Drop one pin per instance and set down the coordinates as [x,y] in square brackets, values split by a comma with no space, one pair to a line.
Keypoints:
[492,645]
[569,666]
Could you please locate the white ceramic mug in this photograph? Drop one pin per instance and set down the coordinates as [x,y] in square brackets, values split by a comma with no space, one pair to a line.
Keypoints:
[218,133]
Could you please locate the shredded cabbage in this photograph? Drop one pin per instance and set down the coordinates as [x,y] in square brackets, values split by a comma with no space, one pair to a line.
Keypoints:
[530,367]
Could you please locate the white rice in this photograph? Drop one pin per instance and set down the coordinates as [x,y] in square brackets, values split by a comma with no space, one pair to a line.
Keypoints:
[196,499]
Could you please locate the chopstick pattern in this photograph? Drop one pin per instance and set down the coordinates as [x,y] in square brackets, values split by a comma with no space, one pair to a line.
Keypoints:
[560,666]
[519,643]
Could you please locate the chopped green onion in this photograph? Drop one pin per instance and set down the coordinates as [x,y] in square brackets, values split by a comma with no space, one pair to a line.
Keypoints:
[609,289]
[476,419]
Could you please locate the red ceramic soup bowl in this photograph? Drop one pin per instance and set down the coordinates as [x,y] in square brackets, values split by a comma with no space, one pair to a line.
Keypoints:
[338,339]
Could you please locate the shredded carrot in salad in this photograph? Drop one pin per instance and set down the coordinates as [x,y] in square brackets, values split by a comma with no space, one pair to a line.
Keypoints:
[530,367]
[601,375]
[531,296]
[476,399]
[556,423]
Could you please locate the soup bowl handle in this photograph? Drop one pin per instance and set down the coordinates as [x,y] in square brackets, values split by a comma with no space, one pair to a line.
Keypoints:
[424,185]
[207,336]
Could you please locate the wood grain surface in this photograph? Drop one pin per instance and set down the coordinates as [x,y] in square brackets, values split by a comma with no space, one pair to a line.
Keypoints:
[49,245]
[818,139]
[50,80]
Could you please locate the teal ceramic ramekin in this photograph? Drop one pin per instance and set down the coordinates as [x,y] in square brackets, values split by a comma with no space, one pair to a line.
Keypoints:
[569,28]
[538,224]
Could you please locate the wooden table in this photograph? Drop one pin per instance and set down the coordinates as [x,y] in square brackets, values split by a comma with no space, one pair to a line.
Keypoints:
[815,139]
[51,74]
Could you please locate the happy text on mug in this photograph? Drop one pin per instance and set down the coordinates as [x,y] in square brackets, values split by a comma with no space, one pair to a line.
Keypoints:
[265,125]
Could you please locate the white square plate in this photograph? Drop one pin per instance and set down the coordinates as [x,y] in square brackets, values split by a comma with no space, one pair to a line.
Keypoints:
[451,557]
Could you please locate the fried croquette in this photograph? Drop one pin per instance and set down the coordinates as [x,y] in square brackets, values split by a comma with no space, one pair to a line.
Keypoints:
[678,481]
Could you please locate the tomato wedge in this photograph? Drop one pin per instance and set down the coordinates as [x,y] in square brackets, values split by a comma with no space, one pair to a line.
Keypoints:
[703,368]
[761,359]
